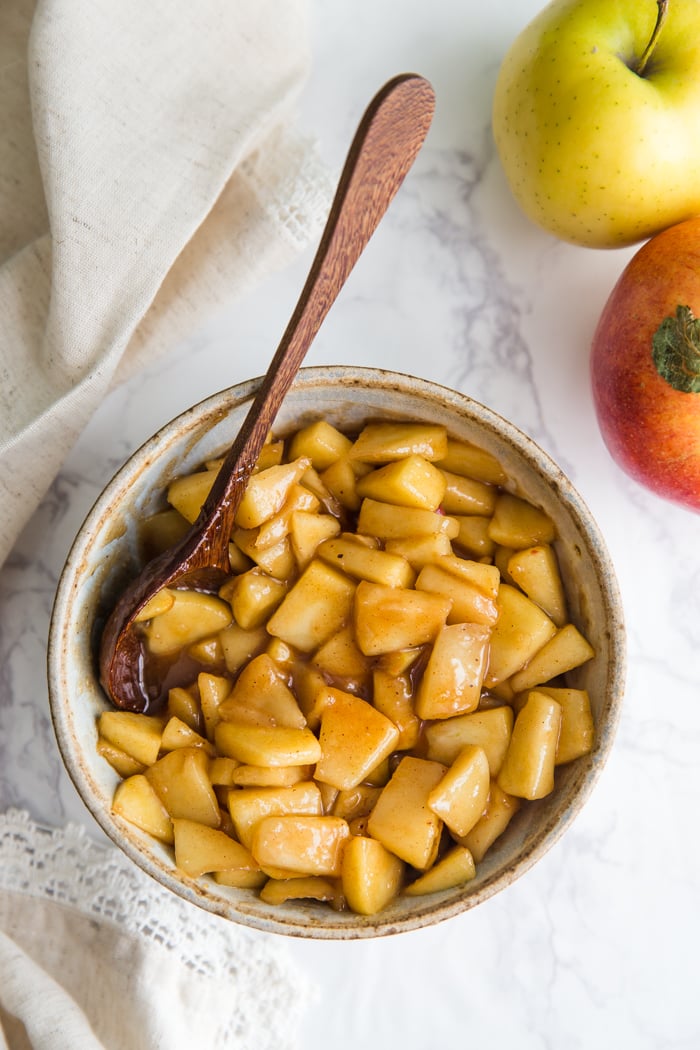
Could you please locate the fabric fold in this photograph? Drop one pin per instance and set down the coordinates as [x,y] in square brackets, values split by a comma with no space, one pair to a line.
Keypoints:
[174,178]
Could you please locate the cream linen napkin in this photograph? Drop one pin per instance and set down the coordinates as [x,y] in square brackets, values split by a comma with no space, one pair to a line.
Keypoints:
[94,955]
[149,170]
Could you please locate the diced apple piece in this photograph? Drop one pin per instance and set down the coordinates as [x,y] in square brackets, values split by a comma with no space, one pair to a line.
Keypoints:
[392,695]
[125,765]
[473,462]
[409,482]
[307,845]
[307,531]
[315,608]
[320,443]
[386,442]
[419,550]
[248,806]
[188,493]
[213,689]
[454,869]
[528,768]
[222,770]
[136,801]
[178,734]
[489,729]
[473,536]
[260,687]
[239,645]
[341,657]
[500,810]
[470,603]
[388,618]
[181,781]
[402,819]
[354,738]
[192,616]
[518,523]
[341,481]
[161,601]
[267,491]
[258,745]
[521,630]
[536,572]
[139,735]
[461,796]
[254,597]
[451,684]
[389,522]
[577,733]
[303,887]
[365,563]
[270,776]
[372,876]
[467,496]
[565,650]
[183,703]
[200,849]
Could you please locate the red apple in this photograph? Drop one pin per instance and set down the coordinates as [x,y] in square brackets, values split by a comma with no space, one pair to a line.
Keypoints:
[645,366]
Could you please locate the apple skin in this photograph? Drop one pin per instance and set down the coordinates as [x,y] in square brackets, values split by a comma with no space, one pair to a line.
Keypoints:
[651,429]
[593,152]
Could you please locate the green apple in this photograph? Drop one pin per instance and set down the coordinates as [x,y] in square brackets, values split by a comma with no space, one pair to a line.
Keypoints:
[645,366]
[596,118]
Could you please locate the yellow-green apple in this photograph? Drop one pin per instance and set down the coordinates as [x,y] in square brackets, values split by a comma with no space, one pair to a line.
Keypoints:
[596,118]
[645,366]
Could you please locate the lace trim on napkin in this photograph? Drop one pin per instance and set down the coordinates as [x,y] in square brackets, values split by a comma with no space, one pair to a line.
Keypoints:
[66,867]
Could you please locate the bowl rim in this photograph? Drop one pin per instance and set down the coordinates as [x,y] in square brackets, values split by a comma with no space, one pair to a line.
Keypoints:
[424,913]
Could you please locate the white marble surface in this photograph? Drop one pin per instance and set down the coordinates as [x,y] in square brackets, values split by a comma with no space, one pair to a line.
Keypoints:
[597,945]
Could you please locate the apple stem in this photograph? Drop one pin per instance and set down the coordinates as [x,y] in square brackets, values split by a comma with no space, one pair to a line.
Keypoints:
[662,11]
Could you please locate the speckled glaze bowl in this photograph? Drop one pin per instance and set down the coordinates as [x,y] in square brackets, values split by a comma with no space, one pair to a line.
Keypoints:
[104,557]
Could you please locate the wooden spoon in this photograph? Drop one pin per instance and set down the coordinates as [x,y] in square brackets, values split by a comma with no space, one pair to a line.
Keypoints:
[386,143]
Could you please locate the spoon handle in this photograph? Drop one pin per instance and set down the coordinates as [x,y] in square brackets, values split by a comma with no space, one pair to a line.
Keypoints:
[385,145]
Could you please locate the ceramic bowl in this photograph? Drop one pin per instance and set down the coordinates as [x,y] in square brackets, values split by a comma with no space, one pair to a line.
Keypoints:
[105,556]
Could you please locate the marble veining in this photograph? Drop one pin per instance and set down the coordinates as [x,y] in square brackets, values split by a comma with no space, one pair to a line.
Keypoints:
[596,946]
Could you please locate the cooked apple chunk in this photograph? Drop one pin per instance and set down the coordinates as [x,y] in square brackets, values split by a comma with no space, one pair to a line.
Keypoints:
[402,819]
[386,442]
[191,617]
[536,571]
[303,845]
[265,745]
[389,618]
[181,781]
[248,806]
[200,849]
[451,684]
[136,801]
[454,869]
[460,797]
[409,482]
[315,608]
[372,876]
[354,739]
[136,734]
